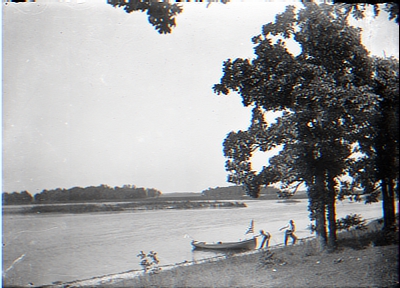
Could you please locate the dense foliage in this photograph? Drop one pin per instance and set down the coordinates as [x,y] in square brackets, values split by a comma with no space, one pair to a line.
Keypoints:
[79,194]
[17,198]
[377,169]
[358,9]
[330,102]
[236,192]
[161,14]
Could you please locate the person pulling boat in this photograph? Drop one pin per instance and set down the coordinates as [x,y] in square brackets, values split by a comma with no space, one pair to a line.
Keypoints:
[289,232]
[265,240]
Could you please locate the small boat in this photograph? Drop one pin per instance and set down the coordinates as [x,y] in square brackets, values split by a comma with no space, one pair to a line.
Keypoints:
[243,245]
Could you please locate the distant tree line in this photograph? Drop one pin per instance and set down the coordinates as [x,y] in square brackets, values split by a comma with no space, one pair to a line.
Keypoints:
[237,192]
[17,198]
[79,194]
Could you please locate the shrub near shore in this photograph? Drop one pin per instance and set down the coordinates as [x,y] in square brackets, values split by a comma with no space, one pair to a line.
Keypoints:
[359,261]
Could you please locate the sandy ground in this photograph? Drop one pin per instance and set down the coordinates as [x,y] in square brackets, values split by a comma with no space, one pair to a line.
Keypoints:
[347,267]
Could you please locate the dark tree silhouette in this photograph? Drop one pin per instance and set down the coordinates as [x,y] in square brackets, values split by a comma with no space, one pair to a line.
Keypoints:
[358,9]
[161,14]
[91,193]
[324,94]
[378,170]
[17,198]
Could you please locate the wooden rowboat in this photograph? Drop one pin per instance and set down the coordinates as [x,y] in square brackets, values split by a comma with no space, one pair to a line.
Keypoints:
[244,245]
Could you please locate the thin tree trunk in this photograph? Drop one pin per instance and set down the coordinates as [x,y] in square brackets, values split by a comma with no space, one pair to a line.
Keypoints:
[389,216]
[320,224]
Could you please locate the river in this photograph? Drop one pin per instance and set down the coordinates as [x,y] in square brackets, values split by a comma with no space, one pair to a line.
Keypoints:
[43,249]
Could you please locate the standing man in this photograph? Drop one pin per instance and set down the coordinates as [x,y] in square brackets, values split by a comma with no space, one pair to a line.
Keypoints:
[290,228]
[265,241]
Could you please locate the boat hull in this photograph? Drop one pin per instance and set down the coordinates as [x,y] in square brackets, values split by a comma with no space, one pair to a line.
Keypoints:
[240,245]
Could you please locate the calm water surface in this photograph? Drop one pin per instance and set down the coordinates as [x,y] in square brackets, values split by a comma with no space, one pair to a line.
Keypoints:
[42,249]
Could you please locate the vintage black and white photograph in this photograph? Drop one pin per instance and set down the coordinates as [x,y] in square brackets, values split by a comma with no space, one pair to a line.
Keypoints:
[200,144]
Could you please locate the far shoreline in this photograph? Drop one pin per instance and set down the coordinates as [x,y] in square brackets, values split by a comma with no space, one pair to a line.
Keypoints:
[165,202]
[105,207]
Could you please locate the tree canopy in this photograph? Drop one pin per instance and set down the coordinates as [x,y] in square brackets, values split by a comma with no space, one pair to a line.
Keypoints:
[161,14]
[325,96]
[358,9]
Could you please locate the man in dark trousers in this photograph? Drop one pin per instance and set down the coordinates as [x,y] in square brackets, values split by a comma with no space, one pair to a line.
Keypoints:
[289,232]
[265,241]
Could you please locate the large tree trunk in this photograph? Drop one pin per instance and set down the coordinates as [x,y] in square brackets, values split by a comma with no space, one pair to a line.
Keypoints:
[320,211]
[332,237]
[387,149]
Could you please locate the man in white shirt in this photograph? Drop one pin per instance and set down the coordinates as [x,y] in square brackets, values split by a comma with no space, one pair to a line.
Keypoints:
[290,229]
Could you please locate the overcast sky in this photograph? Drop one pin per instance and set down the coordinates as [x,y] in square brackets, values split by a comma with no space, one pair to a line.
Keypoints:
[93,95]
